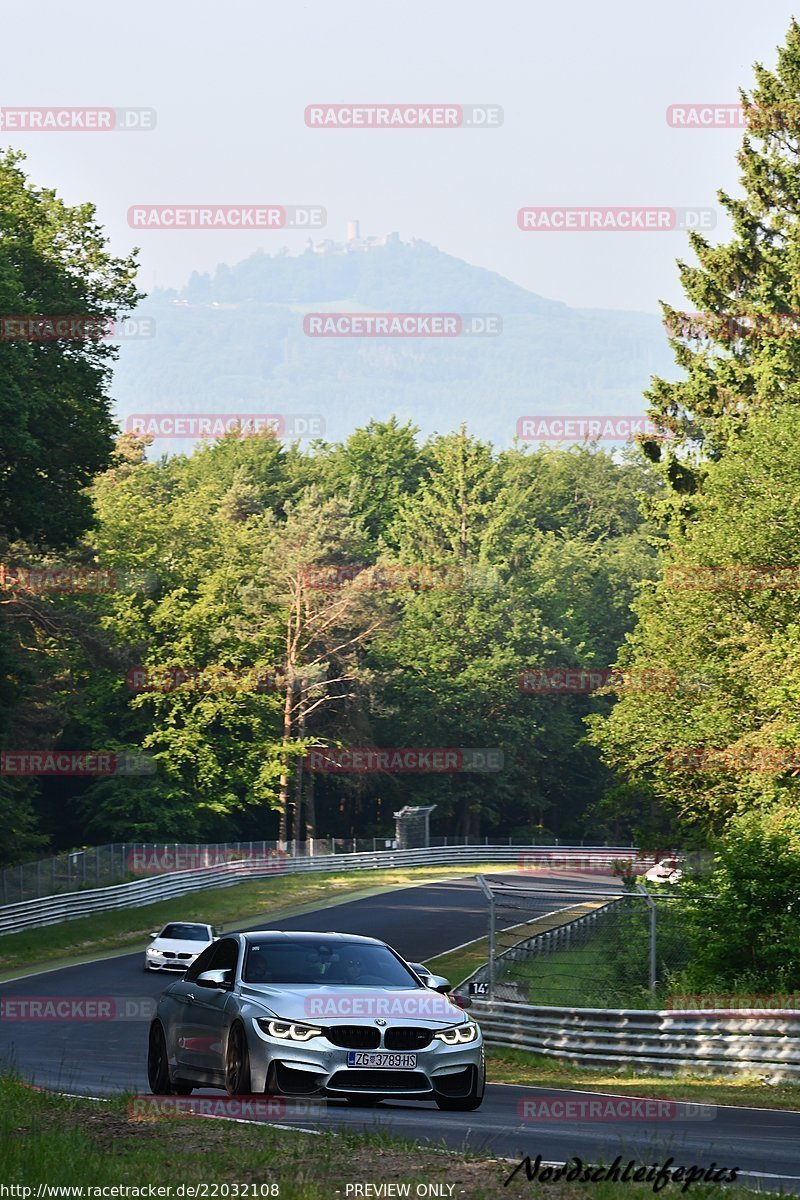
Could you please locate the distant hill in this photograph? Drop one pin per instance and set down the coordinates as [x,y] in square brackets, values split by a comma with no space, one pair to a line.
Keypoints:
[235,342]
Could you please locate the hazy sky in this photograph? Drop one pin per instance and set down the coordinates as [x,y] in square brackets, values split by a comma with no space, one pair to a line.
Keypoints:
[584,88]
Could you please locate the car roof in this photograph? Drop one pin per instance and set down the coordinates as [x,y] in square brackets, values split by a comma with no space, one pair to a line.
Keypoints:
[279,935]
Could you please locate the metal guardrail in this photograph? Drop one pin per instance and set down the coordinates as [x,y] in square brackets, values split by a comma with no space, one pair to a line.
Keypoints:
[101,866]
[50,910]
[658,1041]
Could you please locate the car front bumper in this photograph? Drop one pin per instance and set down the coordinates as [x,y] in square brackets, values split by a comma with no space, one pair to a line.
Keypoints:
[318,1068]
[159,962]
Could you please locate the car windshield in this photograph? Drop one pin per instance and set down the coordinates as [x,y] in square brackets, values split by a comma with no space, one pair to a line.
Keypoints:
[186,933]
[325,964]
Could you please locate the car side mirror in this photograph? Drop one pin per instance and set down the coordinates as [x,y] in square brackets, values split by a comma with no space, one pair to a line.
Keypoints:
[439,984]
[216,930]
[153,935]
[213,979]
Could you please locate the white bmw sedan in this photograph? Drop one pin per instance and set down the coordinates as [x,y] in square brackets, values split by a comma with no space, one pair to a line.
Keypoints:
[177,946]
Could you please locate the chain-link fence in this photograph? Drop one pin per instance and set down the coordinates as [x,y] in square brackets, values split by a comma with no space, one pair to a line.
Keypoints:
[587,945]
[120,862]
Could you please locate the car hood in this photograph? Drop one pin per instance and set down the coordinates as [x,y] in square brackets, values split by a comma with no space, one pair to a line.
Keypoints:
[356,1006]
[178,946]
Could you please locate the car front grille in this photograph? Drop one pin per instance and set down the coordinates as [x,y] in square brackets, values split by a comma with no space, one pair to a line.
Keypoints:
[354,1037]
[407,1038]
[379,1081]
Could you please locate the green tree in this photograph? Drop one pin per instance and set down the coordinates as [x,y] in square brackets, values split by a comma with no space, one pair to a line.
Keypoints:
[721,614]
[738,349]
[743,919]
[57,432]
[54,406]
[378,466]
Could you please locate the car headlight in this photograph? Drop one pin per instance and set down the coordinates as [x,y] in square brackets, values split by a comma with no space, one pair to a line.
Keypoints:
[289,1031]
[456,1035]
[150,950]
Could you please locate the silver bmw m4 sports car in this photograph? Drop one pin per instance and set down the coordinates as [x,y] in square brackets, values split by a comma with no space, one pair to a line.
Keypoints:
[313,1014]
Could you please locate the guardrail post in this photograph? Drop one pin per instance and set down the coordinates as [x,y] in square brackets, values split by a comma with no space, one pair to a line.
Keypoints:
[489,894]
[651,904]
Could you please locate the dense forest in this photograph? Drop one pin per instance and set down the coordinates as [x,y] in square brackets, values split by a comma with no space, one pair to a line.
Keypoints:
[255,603]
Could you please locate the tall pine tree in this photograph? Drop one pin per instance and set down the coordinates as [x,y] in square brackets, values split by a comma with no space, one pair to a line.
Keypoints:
[740,346]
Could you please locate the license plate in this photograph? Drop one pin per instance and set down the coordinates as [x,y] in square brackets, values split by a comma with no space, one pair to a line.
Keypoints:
[367,1058]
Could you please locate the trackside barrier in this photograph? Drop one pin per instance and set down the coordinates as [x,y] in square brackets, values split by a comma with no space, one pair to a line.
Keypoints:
[658,1042]
[50,910]
[566,929]
[102,866]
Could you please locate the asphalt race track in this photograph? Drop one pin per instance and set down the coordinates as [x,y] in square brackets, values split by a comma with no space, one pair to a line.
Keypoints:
[96,1057]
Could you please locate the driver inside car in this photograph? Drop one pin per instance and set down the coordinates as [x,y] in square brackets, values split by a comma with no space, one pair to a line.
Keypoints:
[257,969]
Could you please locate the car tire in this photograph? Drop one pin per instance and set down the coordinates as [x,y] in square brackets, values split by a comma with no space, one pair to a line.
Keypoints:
[237,1063]
[158,1062]
[183,1089]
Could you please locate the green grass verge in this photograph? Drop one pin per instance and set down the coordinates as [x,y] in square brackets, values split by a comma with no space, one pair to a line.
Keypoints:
[127,929]
[582,977]
[47,1139]
[456,965]
[518,1066]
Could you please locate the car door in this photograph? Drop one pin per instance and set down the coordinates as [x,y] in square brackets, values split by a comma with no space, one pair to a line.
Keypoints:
[189,1032]
[207,1009]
